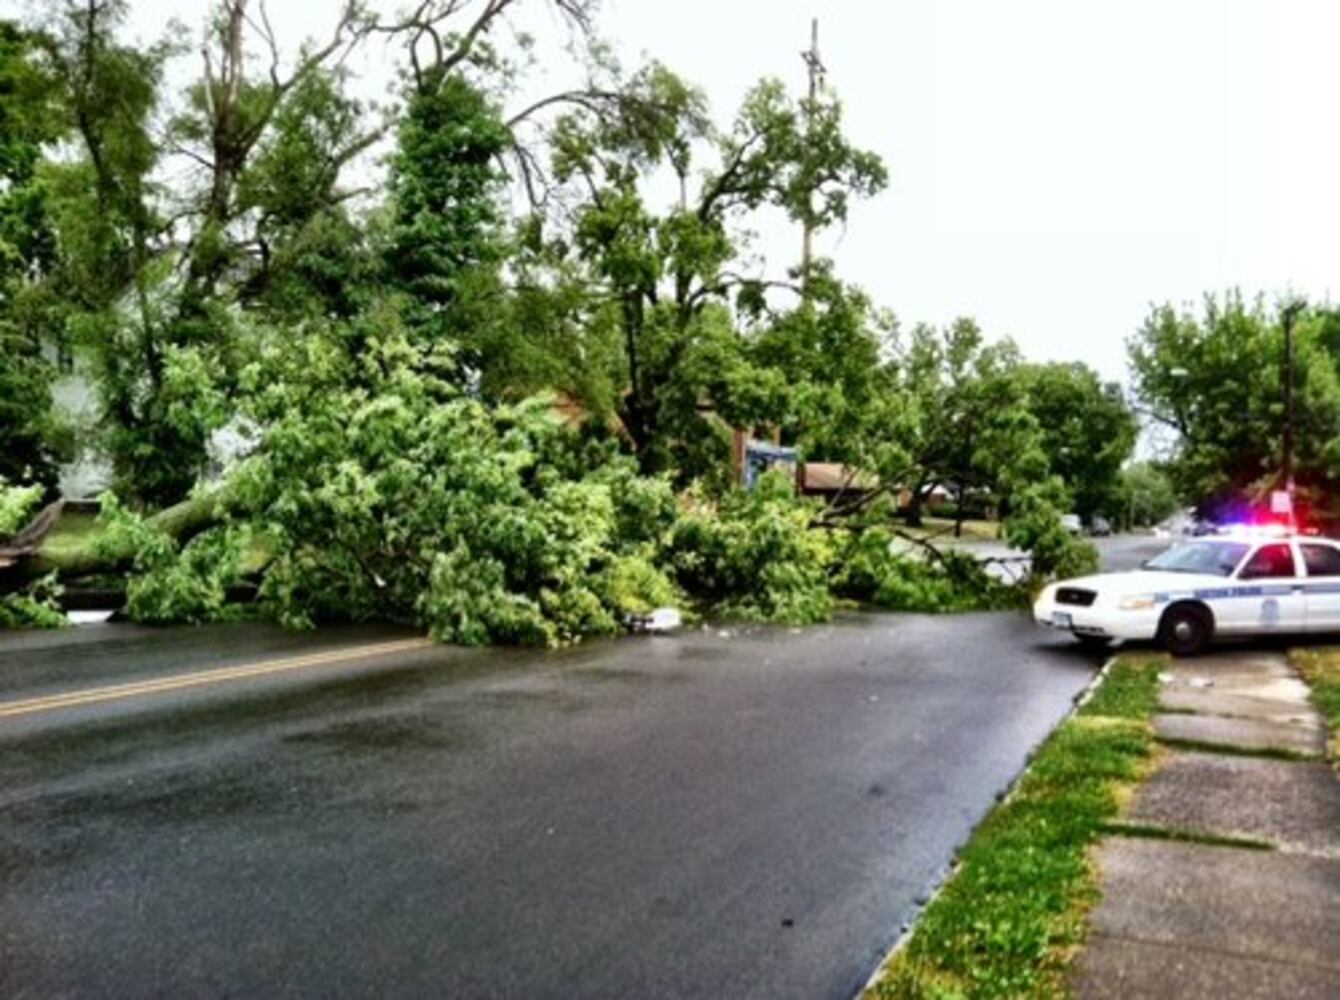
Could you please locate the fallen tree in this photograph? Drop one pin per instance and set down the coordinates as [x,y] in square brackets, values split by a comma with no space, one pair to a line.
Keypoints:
[380,490]
[26,556]
[27,542]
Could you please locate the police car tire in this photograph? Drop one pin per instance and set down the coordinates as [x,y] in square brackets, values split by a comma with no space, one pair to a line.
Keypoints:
[1185,629]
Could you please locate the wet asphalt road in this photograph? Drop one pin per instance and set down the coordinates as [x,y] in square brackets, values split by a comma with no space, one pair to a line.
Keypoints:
[714,814]
[1126,552]
[1116,552]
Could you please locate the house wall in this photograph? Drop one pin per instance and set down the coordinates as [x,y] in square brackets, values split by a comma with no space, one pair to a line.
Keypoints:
[90,472]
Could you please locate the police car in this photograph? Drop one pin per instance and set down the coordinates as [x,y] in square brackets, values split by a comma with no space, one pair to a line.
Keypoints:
[1236,585]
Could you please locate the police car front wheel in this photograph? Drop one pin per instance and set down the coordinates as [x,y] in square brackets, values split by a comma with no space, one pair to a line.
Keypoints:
[1186,629]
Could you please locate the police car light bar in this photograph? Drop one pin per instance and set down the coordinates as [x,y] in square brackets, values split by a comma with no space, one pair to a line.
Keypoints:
[1271,530]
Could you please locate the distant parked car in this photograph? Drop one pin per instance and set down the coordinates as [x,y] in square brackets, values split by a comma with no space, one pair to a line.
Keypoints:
[1072,523]
[1100,527]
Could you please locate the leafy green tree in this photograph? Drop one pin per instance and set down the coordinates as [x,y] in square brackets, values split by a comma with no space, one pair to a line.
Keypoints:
[25,603]
[152,276]
[871,568]
[753,557]
[240,108]
[1145,495]
[829,387]
[170,581]
[306,254]
[383,490]
[16,505]
[114,245]
[446,245]
[970,429]
[1088,431]
[1216,381]
[30,434]
[660,280]
[1034,525]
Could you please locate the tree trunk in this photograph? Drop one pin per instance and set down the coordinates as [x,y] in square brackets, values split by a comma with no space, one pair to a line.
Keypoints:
[914,505]
[182,521]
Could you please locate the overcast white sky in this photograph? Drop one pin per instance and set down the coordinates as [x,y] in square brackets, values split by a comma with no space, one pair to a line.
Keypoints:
[1055,166]
[1058,165]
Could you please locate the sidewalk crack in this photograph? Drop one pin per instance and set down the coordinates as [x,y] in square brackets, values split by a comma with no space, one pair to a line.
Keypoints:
[1208,949]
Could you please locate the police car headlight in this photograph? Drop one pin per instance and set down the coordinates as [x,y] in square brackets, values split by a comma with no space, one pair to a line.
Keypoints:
[1136,602]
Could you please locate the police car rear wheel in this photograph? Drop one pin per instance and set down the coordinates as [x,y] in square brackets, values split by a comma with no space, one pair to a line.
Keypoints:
[1185,629]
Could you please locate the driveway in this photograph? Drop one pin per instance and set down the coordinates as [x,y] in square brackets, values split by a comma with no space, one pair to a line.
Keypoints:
[721,813]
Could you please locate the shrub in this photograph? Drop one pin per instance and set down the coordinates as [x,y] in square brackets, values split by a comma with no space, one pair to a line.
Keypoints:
[169,581]
[386,492]
[752,556]
[636,586]
[36,606]
[1036,526]
[16,505]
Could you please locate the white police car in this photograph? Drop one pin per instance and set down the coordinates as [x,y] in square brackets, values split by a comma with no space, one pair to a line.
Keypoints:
[1238,585]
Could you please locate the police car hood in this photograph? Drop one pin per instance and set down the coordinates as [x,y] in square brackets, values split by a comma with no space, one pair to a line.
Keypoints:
[1145,581]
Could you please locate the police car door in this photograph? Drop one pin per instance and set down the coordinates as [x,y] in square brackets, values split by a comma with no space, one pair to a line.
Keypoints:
[1322,564]
[1267,595]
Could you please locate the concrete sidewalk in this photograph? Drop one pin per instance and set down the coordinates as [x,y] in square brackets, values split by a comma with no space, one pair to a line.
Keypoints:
[1229,884]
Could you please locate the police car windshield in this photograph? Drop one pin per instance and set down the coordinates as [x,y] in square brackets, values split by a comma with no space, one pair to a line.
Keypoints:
[1210,558]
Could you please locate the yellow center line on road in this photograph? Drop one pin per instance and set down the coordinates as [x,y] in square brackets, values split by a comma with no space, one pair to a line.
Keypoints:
[200,678]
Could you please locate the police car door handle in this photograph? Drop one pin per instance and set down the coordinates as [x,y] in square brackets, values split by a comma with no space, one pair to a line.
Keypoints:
[1297,588]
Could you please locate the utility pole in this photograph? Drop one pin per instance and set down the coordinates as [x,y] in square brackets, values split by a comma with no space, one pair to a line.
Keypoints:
[1288,315]
[815,67]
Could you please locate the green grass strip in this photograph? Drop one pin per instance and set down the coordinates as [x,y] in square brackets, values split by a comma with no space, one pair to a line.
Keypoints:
[1013,914]
[74,531]
[1321,669]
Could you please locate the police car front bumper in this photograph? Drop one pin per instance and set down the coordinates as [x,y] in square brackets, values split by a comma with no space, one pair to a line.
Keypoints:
[1096,620]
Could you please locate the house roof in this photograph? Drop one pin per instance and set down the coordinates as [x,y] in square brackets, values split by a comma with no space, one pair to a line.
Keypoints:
[830,477]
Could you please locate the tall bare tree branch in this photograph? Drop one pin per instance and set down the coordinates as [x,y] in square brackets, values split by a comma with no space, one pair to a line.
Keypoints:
[430,18]
[233,137]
